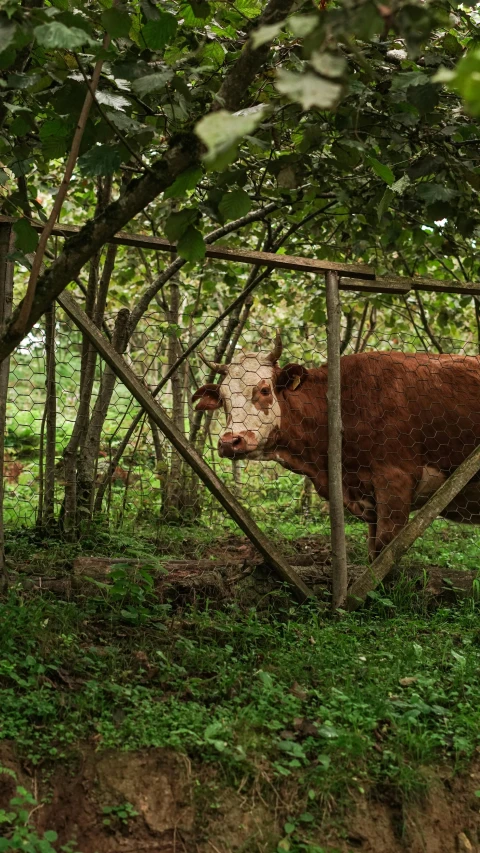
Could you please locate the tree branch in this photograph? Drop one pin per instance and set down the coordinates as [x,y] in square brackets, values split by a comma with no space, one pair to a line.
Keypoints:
[184,152]
[151,291]
[251,60]
[20,321]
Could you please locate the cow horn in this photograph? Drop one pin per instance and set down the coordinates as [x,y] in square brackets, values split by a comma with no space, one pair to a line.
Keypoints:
[277,349]
[214,366]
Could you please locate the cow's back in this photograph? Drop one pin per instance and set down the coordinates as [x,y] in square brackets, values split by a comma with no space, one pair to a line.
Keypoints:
[410,406]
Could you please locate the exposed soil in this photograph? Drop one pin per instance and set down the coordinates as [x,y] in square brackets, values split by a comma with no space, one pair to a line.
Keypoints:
[174,804]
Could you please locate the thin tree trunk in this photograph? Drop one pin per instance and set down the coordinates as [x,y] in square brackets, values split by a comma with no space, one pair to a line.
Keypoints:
[306,498]
[335,433]
[51,417]
[94,308]
[6,297]
[87,459]
[172,498]
[358,343]
[426,325]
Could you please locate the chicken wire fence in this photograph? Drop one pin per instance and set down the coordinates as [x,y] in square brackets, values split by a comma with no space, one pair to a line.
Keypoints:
[137,476]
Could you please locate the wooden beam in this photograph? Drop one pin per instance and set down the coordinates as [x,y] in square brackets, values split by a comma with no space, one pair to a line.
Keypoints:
[401,285]
[359,277]
[222,253]
[395,550]
[160,417]
[335,434]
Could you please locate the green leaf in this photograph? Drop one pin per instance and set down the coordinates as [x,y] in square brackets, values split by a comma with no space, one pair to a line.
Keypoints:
[7,34]
[401,185]
[58,35]
[465,80]
[328,732]
[192,247]
[201,9]
[266,34]
[303,25]
[384,203]
[407,79]
[430,192]
[152,83]
[234,205]
[50,835]
[383,172]
[188,180]
[288,828]
[222,131]
[328,64]
[26,236]
[308,89]
[157,34]
[195,14]
[112,99]
[116,22]
[177,223]
[100,160]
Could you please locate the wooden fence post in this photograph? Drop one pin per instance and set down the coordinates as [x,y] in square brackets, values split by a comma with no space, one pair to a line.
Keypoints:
[335,432]
[160,417]
[6,296]
[395,550]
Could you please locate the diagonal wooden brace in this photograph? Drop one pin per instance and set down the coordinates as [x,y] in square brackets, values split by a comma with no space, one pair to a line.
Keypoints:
[395,550]
[160,417]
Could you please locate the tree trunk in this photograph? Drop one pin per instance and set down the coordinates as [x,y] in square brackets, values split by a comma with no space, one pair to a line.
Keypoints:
[174,497]
[6,297]
[88,456]
[94,308]
[51,418]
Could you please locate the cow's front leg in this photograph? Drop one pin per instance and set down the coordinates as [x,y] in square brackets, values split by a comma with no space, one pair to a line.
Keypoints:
[393,498]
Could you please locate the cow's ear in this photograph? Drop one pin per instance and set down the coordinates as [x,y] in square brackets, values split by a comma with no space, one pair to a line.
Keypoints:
[208,397]
[290,377]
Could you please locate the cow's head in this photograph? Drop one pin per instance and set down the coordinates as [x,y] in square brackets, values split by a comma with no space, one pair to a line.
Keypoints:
[249,393]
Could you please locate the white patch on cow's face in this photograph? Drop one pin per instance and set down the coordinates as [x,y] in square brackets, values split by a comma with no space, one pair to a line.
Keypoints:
[250,402]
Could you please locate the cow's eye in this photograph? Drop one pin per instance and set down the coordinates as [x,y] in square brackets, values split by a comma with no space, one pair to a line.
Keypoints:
[265,391]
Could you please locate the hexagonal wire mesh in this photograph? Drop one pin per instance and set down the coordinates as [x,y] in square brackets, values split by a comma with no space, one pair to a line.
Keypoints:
[415,420]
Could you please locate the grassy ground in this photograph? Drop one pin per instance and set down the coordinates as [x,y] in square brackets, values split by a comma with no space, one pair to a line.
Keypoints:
[335,705]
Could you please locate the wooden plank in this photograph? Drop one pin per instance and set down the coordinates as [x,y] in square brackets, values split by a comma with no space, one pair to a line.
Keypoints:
[402,285]
[160,417]
[268,259]
[335,434]
[359,278]
[395,550]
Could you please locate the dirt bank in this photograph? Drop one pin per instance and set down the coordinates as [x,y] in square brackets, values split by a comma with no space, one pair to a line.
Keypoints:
[176,808]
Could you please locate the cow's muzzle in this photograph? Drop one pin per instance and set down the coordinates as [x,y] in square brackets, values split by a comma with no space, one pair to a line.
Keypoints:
[232,445]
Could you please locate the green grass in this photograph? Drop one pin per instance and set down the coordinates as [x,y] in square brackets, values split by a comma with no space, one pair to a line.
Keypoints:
[286,694]
[233,687]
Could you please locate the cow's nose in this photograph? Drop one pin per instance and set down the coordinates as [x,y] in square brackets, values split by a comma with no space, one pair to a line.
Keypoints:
[231,444]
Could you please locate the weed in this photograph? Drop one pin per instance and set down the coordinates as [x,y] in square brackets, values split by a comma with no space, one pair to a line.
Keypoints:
[16,830]
[115,815]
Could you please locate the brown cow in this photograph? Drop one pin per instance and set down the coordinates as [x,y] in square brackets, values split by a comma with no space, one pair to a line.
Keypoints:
[408,420]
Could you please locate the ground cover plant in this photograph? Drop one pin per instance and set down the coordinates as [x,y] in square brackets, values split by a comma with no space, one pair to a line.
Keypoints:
[277,695]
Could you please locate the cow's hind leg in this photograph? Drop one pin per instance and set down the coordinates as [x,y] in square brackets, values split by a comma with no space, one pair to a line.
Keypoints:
[393,497]
[372,541]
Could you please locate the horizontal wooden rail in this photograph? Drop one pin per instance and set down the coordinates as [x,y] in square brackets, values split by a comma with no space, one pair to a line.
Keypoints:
[143,396]
[359,278]
[222,253]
